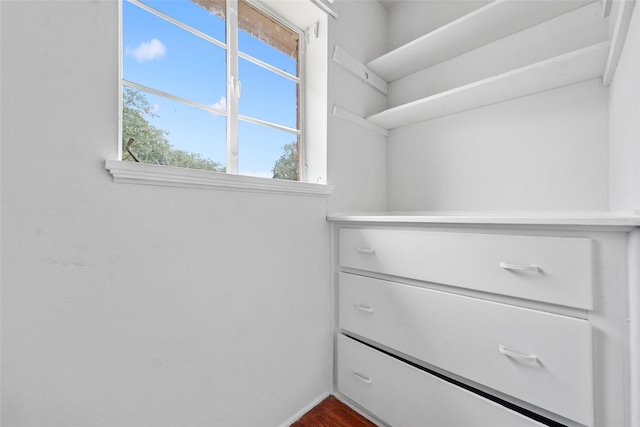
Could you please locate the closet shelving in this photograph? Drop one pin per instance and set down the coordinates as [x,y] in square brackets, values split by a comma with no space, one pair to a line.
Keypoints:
[563,70]
[494,21]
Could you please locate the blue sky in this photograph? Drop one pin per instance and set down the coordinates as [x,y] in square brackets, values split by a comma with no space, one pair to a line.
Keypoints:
[160,55]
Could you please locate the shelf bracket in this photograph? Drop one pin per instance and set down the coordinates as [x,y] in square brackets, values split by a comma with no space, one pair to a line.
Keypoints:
[352,64]
[337,111]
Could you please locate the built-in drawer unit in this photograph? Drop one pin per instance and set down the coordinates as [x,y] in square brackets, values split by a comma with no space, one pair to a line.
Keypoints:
[538,357]
[403,395]
[555,270]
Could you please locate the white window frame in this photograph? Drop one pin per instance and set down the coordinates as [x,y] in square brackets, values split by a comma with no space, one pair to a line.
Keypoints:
[142,173]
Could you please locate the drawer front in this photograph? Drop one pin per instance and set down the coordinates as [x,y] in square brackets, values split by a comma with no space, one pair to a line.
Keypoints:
[557,270]
[538,357]
[403,395]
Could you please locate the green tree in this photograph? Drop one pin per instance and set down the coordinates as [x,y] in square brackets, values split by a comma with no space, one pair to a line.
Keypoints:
[286,167]
[150,144]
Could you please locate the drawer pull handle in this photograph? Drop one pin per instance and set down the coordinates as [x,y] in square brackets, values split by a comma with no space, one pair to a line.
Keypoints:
[520,267]
[367,250]
[362,377]
[364,308]
[525,357]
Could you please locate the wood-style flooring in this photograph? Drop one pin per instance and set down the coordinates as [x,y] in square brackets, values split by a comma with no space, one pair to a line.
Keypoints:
[332,413]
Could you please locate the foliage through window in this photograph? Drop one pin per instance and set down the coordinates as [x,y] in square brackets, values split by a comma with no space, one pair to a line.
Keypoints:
[208,89]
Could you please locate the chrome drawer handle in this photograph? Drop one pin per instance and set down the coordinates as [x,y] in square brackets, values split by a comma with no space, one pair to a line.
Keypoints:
[520,267]
[366,250]
[525,357]
[364,308]
[362,377]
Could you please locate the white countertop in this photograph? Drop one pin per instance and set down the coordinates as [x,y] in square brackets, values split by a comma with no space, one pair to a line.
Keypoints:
[599,218]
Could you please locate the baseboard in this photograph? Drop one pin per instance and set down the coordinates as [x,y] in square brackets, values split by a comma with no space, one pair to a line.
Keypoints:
[305,409]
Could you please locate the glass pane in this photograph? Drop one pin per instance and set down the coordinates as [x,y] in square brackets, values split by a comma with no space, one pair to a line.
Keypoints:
[266,39]
[266,152]
[266,53]
[266,95]
[165,57]
[171,133]
[206,16]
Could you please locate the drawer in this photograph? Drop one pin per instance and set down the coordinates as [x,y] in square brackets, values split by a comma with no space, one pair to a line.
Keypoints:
[541,358]
[402,395]
[556,270]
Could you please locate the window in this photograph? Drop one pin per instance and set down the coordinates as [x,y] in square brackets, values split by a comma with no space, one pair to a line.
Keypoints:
[212,84]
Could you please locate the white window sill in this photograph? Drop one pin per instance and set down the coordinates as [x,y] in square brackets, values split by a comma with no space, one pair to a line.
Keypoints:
[148,174]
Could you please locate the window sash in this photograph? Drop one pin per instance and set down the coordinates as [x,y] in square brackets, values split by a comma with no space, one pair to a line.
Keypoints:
[233,25]
[180,24]
[233,86]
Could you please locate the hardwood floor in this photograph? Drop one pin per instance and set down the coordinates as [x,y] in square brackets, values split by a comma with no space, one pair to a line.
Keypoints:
[332,413]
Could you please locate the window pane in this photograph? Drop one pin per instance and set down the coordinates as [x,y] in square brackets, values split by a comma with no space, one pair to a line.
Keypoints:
[171,133]
[266,39]
[160,55]
[266,53]
[266,95]
[264,151]
[206,16]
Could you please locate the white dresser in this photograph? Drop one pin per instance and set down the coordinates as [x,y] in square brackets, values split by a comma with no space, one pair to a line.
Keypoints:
[484,321]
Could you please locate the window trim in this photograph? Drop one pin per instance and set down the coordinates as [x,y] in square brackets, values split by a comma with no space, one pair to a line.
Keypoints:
[170,176]
[314,164]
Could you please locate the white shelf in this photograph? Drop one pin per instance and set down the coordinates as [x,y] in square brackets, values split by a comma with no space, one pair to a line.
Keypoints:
[485,25]
[494,21]
[567,218]
[563,70]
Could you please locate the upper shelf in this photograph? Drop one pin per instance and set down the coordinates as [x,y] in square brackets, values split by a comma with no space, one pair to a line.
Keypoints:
[573,67]
[480,27]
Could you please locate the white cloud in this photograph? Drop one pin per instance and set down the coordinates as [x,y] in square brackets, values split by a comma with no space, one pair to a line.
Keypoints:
[147,51]
[221,105]
[154,109]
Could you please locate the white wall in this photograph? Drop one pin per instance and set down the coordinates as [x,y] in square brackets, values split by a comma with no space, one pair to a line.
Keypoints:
[356,155]
[409,20]
[542,152]
[139,305]
[624,126]
[546,151]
